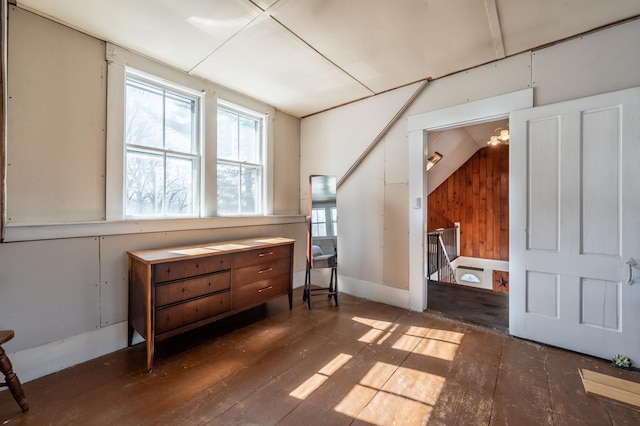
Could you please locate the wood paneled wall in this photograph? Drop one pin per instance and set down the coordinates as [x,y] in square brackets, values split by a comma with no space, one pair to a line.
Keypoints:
[477,196]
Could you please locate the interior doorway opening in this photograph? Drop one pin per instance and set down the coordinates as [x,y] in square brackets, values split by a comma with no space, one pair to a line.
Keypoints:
[419,126]
[467,222]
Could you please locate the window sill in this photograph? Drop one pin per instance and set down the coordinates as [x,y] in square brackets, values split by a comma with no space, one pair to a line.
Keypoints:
[54,231]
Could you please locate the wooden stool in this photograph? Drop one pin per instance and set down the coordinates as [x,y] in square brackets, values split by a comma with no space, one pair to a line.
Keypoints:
[12,381]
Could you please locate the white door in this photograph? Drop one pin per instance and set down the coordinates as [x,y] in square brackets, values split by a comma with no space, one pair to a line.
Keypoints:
[575,224]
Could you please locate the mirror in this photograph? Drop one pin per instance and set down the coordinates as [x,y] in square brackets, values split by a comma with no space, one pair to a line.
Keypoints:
[323,222]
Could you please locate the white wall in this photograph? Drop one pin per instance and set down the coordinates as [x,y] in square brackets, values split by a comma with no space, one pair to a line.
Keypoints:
[373,204]
[63,279]
[56,110]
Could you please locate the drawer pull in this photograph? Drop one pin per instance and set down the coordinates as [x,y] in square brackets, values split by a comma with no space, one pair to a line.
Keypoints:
[265,289]
[265,254]
[265,270]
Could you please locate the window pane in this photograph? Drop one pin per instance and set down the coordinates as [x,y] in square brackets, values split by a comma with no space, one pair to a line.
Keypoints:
[143,120]
[180,123]
[249,140]
[334,220]
[145,183]
[319,222]
[319,215]
[180,184]
[228,184]
[240,169]
[250,190]
[227,135]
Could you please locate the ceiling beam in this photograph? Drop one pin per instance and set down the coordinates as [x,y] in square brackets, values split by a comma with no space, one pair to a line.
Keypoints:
[494,24]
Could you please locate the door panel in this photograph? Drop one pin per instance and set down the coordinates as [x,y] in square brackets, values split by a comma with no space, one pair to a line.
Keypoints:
[575,221]
[543,174]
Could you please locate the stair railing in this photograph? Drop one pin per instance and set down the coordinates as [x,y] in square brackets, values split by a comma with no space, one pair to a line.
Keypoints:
[440,244]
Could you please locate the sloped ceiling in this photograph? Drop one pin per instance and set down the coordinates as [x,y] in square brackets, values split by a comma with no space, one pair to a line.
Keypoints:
[456,146]
[307,56]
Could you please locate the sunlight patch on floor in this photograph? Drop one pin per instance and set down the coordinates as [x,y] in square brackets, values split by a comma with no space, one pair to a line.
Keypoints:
[371,335]
[356,400]
[389,394]
[378,328]
[318,379]
[388,409]
[406,343]
[335,364]
[445,335]
[380,325]
[389,334]
[414,384]
[437,349]
[378,375]
[414,330]
[309,386]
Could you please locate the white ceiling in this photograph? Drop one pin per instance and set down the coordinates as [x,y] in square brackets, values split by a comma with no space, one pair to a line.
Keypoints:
[306,56]
[458,145]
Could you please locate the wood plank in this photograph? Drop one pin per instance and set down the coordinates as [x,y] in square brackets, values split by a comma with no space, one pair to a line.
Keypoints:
[354,390]
[521,378]
[490,224]
[570,402]
[227,398]
[621,415]
[467,395]
[405,367]
[476,195]
[500,281]
[283,393]
[469,304]
[481,212]
[504,205]
[612,388]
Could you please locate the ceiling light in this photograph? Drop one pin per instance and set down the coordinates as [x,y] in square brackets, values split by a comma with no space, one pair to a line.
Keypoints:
[433,160]
[500,136]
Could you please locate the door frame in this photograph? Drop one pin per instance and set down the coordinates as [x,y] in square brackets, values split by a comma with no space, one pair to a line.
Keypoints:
[488,109]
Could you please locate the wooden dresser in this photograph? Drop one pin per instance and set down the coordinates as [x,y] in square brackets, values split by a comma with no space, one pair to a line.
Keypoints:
[176,289]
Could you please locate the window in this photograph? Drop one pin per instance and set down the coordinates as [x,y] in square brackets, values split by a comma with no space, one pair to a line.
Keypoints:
[162,146]
[240,173]
[470,278]
[162,160]
[320,226]
[319,222]
[334,221]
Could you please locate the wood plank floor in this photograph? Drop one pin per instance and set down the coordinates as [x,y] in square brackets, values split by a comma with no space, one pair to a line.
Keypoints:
[363,363]
[476,305]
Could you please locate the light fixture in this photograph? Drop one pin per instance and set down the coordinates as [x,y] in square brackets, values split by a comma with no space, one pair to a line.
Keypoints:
[500,136]
[433,160]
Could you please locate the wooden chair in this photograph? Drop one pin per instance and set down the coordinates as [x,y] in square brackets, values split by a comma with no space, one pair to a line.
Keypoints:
[11,380]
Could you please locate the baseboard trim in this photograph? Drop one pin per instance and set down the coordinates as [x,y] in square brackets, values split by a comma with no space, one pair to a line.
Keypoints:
[373,291]
[33,363]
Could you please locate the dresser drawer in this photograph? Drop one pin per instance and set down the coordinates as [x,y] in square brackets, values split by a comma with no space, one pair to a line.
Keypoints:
[178,291]
[181,269]
[260,272]
[260,291]
[254,257]
[176,316]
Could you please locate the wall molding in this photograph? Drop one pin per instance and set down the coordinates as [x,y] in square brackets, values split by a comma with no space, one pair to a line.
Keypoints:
[376,292]
[33,363]
[15,233]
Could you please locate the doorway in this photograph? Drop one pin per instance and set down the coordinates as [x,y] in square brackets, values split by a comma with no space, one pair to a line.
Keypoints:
[468,223]
[420,126]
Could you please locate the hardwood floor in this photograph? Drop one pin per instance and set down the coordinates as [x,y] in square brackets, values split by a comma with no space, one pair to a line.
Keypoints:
[476,305]
[363,363]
